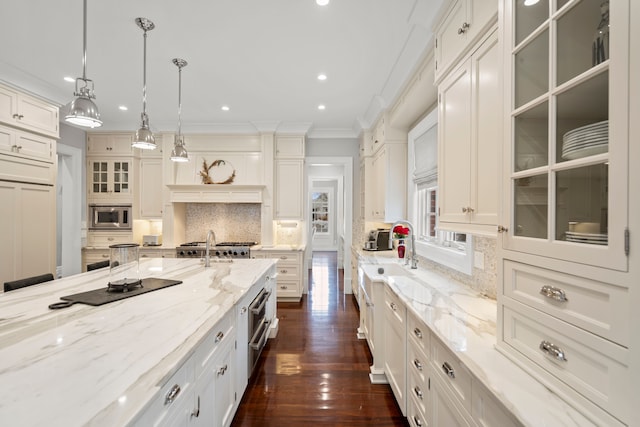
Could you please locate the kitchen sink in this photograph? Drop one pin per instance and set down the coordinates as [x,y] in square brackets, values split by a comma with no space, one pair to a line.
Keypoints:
[379,272]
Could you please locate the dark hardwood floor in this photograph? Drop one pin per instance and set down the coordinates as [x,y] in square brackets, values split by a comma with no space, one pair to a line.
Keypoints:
[315,372]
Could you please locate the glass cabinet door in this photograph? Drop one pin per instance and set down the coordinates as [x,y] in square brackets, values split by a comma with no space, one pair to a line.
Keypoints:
[569,124]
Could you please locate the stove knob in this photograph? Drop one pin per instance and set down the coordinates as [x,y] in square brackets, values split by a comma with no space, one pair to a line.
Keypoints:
[242,253]
[191,252]
[181,253]
[235,253]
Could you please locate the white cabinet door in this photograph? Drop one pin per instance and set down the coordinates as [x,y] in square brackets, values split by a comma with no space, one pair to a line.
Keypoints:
[463,24]
[109,179]
[109,144]
[29,238]
[470,131]
[289,180]
[387,183]
[395,333]
[27,145]
[444,412]
[454,172]
[23,111]
[290,147]
[150,189]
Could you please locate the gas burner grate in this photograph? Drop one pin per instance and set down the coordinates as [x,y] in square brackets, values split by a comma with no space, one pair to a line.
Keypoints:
[236,244]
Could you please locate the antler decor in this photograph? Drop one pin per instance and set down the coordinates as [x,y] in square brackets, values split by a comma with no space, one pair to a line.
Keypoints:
[223,172]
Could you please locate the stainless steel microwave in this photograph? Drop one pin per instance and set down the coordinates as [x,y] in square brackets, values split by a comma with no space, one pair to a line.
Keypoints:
[110,217]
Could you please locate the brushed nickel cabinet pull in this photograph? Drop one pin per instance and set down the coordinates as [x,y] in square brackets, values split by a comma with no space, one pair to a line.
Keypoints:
[448,370]
[418,333]
[553,351]
[172,394]
[219,336]
[417,364]
[417,391]
[554,293]
[417,421]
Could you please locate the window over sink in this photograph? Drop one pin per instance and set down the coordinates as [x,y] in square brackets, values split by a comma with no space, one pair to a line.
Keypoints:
[450,248]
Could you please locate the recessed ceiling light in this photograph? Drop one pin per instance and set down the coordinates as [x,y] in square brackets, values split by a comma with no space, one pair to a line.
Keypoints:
[530,2]
[69,79]
[123,108]
[225,108]
[322,77]
[322,2]
[321,107]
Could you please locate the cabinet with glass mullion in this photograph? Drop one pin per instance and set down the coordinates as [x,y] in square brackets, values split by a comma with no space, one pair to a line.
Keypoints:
[567,163]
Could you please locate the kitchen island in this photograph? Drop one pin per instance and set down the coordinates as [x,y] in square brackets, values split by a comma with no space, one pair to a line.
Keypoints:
[106,365]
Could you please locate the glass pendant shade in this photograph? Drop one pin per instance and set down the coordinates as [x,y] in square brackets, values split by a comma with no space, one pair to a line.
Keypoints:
[143,138]
[83,111]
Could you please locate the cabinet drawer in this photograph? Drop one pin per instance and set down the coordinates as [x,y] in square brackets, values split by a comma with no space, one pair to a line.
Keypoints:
[288,258]
[418,385]
[415,416]
[596,368]
[172,396]
[418,333]
[417,362]
[106,239]
[288,271]
[396,310]
[452,372]
[218,337]
[287,289]
[487,411]
[595,306]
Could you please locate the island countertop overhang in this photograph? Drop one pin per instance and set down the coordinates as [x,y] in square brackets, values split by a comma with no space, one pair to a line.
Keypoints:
[96,365]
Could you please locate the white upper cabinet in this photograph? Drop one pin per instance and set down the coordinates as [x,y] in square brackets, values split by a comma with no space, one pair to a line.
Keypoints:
[463,23]
[150,188]
[28,113]
[110,144]
[470,118]
[289,174]
[290,146]
[567,160]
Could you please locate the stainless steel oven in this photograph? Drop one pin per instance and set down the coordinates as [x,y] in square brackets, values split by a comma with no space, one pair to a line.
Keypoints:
[258,327]
[110,217]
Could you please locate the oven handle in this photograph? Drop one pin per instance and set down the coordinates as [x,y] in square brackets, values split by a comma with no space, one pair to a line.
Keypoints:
[260,302]
[263,336]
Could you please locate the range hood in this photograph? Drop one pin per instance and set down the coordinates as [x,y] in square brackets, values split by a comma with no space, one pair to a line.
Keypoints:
[215,193]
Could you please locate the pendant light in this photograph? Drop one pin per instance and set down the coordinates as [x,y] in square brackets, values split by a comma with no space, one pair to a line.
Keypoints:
[83,111]
[144,137]
[179,153]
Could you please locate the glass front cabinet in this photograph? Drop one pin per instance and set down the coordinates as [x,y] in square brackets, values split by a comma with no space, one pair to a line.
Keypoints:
[567,161]
[565,279]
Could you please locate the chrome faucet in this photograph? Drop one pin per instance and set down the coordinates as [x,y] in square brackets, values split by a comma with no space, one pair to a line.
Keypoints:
[210,234]
[414,260]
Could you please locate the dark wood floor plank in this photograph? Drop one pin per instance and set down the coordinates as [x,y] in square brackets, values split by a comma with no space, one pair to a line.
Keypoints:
[316,372]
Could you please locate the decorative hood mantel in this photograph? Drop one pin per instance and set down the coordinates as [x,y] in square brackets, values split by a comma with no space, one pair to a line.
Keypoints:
[215,193]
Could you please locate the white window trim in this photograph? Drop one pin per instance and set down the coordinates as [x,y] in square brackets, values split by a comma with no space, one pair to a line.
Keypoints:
[461,261]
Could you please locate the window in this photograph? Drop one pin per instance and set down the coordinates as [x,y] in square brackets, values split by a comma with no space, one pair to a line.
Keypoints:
[449,248]
[320,212]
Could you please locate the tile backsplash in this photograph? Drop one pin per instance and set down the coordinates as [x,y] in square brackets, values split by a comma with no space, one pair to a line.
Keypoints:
[484,280]
[229,221]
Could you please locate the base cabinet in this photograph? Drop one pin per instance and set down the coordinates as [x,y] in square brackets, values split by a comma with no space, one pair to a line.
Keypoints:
[395,333]
[288,272]
[29,238]
[203,390]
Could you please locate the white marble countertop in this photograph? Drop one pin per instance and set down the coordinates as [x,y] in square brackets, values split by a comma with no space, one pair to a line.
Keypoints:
[100,366]
[466,322]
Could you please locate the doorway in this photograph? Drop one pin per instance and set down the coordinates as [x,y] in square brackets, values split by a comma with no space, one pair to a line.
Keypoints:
[333,175]
[324,215]
[68,211]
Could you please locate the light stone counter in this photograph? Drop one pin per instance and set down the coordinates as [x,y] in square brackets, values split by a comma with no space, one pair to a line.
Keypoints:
[100,366]
[466,322]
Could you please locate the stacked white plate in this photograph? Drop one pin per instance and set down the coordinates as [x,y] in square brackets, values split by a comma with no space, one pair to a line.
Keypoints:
[586,141]
[593,239]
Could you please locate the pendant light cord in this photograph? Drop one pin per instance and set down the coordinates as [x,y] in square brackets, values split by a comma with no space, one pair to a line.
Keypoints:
[144,78]
[84,43]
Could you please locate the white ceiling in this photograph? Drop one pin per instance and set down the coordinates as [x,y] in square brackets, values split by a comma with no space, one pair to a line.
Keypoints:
[259,57]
